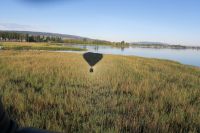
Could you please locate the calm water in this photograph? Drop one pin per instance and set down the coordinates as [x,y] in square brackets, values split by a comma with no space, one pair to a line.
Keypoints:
[184,56]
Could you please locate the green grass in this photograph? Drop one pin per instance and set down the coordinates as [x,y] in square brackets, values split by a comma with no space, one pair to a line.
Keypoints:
[55,91]
[96,42]
[37,46]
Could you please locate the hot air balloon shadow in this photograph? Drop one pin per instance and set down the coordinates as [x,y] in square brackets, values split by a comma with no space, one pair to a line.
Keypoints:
[92,59]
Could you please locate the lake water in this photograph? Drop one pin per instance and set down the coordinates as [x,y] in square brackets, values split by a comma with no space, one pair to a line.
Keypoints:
[184,56]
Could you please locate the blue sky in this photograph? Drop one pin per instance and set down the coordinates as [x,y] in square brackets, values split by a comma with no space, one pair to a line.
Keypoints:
[170,21]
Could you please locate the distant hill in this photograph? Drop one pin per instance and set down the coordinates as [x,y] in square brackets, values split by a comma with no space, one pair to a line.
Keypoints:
[150,43]
[85,40]
[161,45]
[55,37]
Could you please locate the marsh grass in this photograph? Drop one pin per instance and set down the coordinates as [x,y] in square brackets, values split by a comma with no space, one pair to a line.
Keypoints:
[37,46]
[55,91]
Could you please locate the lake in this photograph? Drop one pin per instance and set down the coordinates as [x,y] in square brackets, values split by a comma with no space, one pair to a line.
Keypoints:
[184,56]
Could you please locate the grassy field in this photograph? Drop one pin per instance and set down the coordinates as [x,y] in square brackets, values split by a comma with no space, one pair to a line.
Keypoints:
[55,91]
[36,46]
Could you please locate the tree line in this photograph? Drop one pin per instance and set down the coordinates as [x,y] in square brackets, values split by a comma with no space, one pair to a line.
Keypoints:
[20,37]
[95,42]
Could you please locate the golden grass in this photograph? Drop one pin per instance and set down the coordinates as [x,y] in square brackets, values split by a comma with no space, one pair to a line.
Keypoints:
[36,46]
[55,91]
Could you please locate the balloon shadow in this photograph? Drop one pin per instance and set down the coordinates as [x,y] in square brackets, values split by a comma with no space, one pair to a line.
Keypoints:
[92,59]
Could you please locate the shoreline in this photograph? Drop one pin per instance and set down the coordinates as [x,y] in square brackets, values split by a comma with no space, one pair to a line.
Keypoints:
[82,52]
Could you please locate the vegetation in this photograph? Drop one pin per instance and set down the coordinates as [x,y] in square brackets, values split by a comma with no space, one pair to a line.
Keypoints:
[25,37]
[55,91]
[96,42]
[36,46]
[20,37]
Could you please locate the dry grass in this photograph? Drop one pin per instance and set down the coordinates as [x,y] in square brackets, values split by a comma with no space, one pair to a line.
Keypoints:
[36,46]
[55,91]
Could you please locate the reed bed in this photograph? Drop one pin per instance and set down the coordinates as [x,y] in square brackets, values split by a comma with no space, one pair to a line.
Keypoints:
[37,46]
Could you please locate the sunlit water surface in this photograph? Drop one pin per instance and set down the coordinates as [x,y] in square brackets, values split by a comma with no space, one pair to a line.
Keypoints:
[184,56]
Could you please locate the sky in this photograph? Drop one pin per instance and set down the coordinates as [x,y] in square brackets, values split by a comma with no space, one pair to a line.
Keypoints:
[167,21]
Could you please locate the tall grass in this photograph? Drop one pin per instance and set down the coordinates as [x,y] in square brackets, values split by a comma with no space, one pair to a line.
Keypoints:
[55,91]
[37,46]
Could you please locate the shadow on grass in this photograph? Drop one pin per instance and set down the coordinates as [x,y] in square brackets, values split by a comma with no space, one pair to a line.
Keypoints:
[92,59]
